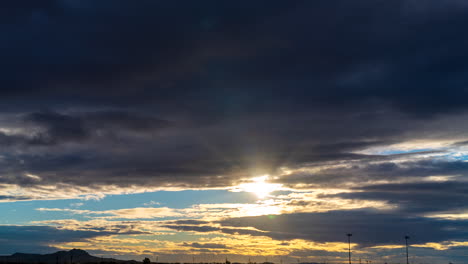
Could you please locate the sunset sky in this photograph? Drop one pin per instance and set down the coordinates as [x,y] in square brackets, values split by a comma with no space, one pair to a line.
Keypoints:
[249,129]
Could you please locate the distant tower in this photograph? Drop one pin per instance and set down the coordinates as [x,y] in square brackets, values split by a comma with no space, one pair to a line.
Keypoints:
[406,241]
[349,247]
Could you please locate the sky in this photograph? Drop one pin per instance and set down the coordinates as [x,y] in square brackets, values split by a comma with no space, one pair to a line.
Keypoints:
[262,130]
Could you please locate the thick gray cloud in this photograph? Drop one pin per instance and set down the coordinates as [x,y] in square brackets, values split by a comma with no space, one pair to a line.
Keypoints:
[39,239]
[371,169]
[417,198]
[55,128]
[203,245]
[369,227]
[184,92]
[234,57]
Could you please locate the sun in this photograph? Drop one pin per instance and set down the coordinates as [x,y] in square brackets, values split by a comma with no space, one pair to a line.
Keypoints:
[260,187]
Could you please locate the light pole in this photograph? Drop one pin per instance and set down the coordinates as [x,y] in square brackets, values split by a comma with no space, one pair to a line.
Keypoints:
[349,247]
[406,241]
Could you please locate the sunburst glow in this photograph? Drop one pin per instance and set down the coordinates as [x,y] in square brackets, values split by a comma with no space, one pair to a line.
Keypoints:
[260,187]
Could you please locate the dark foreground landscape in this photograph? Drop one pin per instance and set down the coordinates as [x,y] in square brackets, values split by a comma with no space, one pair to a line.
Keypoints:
[61,257]
[78,256]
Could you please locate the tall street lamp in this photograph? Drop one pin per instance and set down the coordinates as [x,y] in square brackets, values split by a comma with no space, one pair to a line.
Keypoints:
[406,240]
[349,247]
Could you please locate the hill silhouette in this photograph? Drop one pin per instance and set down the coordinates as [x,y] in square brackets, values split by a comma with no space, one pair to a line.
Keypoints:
[76,256]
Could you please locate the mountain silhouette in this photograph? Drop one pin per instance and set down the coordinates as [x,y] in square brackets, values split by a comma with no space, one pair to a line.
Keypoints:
[75,256]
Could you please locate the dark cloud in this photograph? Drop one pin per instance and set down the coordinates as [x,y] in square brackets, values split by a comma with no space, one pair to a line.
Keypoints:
[48,128]
[229,230]
[235,56]
[39,239]
[15,197]
[158,152]
[203,245]
[60,128]
[426,197]
[189,222]
[368,227]
[192,228]
[371,169]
